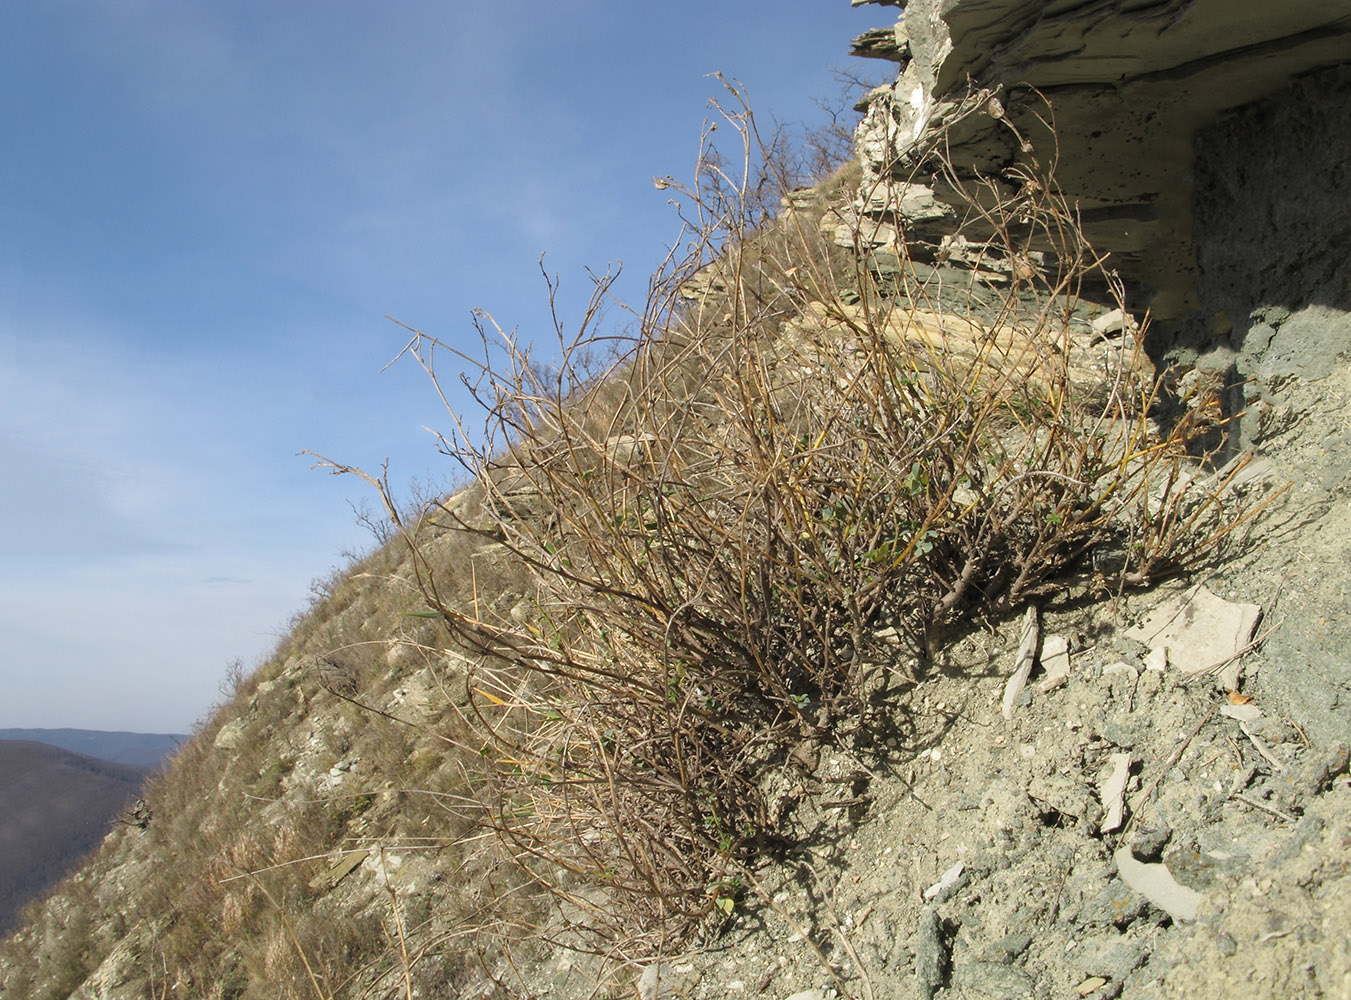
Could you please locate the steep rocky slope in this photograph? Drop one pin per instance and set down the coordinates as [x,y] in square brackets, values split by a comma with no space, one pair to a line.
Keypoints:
[962,854]
[463,763]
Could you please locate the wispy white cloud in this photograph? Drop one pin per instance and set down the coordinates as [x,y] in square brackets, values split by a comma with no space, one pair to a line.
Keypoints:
[137,552]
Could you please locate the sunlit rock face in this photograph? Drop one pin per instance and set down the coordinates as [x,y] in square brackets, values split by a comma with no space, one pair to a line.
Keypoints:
[1145,97]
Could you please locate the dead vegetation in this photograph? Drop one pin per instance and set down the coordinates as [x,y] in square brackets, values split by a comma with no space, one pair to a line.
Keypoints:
[681,555]
[791,464]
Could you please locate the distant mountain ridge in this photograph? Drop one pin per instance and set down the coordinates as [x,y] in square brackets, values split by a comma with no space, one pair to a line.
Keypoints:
[55,807]
[146,750]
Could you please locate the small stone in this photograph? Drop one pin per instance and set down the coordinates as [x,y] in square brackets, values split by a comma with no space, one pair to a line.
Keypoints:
[1157,884]
[1008,948]
[1317,775]
[1109,323]
[1117,906]
[1243,713]
[1199,629]
[1113,790]
[1022,663]
[991,979]
[1272,730]
[1055,661]
[942,889]
[651,982]
[1112,956]
[1149,842]
[1118,735]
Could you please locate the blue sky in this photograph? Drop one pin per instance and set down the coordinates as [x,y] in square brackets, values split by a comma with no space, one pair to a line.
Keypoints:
[207,207]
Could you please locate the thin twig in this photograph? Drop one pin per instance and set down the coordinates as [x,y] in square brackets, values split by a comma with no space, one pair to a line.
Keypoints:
[1257,744]
[1254,803]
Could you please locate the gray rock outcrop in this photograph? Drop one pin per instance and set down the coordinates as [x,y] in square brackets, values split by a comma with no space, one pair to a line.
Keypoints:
[1129,87]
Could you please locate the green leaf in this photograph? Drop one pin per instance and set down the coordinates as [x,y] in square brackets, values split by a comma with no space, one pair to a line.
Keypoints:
[917,481]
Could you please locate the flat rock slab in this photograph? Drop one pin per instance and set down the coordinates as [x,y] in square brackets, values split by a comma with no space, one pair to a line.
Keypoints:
[347,864]
[1200,630]
[1156,883]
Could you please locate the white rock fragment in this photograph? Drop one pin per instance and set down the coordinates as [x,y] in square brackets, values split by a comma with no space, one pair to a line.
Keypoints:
[1156,883]
[382,867]
[1243,713]
[1055,661]
[1113,792]
[945,882]
[650,982]
[1200,630]
[1119,667]
[622,448]
[231,735]
[1157,659]
[1110,323]
[1261,747]
[1022,664]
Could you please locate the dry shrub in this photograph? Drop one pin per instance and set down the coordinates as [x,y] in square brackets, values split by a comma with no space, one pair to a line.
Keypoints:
[788,463]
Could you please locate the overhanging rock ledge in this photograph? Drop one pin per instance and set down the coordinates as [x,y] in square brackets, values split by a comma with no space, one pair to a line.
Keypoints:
[1130,87]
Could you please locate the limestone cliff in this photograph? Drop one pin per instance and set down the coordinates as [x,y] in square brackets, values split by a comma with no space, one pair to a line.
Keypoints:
[1136,92]
[1206,146]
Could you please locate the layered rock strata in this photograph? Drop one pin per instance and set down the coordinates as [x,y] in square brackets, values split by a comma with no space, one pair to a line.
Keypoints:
[1128,86]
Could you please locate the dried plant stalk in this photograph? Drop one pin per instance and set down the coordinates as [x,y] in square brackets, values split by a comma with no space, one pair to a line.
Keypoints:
[787,460]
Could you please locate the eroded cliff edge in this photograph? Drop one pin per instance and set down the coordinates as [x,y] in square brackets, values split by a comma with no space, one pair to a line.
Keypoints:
[1146,98]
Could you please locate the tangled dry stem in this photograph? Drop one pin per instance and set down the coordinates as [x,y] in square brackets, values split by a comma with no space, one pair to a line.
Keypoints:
[790,459]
